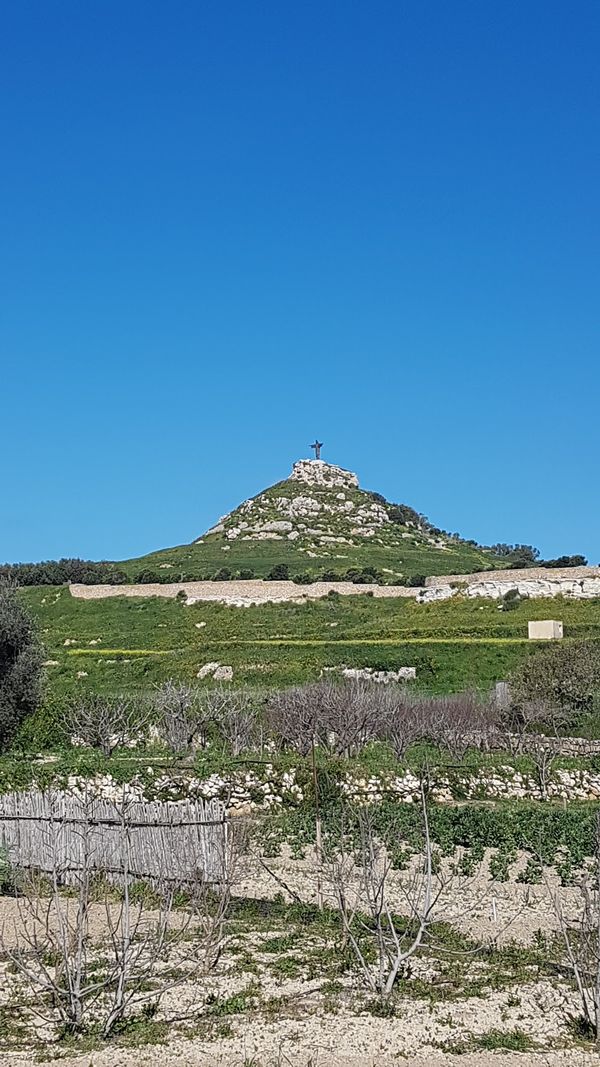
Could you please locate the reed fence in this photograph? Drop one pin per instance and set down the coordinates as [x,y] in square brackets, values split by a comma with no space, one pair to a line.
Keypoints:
[61,834]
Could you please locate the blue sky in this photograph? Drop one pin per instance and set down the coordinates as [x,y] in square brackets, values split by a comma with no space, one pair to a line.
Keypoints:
[226,228]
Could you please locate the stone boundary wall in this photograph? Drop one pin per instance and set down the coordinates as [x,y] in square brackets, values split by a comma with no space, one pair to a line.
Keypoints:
[241,592]
[517,575]
[577,582]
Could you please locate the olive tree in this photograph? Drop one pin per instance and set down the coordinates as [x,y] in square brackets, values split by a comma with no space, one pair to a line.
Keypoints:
[20,663]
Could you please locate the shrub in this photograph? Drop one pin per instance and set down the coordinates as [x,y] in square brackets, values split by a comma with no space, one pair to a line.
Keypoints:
[58,572]
[148,578]
[279,573]
[302,579]
[246,574]
[20,664]
[510,600]
[416,581]
[565,561]
[405,515]
[564,676]
[224,574]
[8,875]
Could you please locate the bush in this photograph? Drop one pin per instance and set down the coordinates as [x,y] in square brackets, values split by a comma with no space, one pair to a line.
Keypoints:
[246,574]
[330,576]
[564,676]
[302,579]
[20,664]
[510,600]
[58,572]
[416,581]
[224,574]
[565,561]
[405,515]
[148,578]
[279,573]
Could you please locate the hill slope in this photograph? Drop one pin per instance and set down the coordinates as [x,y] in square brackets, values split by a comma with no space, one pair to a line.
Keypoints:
[316,522]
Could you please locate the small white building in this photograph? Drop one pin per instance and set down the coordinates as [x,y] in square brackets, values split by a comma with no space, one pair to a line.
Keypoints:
[545,630]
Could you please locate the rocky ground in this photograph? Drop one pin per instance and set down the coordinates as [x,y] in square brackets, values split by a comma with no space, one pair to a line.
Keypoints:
[279,997]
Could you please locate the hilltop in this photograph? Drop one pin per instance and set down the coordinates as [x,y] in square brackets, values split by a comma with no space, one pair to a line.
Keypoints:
[318,523]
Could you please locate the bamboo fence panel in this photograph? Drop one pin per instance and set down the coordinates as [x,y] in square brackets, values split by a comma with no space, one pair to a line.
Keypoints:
[154,840]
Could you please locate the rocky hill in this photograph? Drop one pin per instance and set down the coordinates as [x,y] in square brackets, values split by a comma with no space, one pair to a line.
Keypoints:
[318,523]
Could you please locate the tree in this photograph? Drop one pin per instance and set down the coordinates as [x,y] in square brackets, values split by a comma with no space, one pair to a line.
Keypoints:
[565,561]
[516,555]
[184,714]
[107,723]
[339,716]
[360,873]
[561,676]
[524,556]
[581,938]
[20,664]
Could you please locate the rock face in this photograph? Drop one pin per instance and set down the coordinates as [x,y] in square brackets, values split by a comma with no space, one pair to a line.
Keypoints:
[492,589]
[317,472]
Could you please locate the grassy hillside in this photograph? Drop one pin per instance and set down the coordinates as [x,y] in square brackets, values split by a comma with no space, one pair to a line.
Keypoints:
[130,644]
[203,561]
[317,521]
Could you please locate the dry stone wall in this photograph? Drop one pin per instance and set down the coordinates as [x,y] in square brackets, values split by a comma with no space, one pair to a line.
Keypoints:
[240,593]
[579,583]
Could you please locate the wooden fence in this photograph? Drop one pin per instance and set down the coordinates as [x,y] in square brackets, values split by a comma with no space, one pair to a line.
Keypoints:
[154,840]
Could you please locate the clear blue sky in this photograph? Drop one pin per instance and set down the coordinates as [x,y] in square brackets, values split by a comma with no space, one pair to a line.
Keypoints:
[229,227]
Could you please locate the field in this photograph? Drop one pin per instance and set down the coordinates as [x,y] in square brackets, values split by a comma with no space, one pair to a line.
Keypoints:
[122,644]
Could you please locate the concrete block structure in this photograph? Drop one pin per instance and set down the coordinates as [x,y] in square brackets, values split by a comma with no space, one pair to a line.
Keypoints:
[545,630]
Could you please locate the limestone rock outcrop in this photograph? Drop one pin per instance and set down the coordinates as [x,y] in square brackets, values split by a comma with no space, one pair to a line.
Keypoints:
[317,472]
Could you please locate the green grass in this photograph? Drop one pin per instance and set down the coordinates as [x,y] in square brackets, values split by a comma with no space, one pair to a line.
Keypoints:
[203,561]
[453,644]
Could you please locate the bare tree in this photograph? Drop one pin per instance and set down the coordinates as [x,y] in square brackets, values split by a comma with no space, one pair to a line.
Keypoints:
[582,942]
[339,716]
[293,718]
[210,902]
[107,723]
[465,720]
[236,717]
[543,752]
[457,721]
[408,718]
[363,896]
[527,720]
[184,715]
[52,947]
